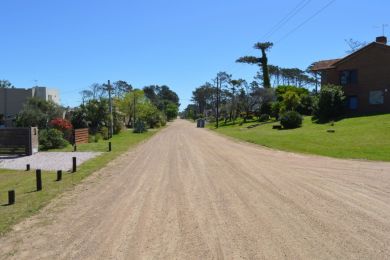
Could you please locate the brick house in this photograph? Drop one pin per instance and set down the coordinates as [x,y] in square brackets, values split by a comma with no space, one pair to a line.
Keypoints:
[364,76]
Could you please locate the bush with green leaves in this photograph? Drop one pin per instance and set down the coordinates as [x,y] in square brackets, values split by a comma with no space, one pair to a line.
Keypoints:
[51,139]
[264,118]
[139,127]
[104,133]
[275,108]
[291,101]
[306,105]
[329,104]
[171,111]
[38,112]
[291,120]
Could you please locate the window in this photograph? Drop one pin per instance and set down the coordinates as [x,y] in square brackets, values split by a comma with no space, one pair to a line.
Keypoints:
[376,97]
[352,102]
[348,77]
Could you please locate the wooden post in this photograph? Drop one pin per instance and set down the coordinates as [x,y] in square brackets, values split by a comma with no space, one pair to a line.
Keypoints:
[11,197]
[74,167]
[27,167]
[38,179]
[59,175]
[109,146]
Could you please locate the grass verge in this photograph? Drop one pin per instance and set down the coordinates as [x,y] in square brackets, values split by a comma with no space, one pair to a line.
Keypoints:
[28,201]
[354,138]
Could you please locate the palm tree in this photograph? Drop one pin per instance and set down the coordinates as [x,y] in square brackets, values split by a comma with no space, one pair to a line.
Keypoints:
[262,62]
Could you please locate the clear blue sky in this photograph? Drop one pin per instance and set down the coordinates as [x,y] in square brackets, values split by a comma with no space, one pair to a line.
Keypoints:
[70,44]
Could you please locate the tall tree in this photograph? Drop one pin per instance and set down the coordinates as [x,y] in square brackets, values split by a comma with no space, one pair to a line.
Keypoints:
[5,84]
[121,87]
[262,62]
[234,85]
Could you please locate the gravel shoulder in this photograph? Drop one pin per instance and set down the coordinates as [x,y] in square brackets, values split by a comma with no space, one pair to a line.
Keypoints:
[49,161]
[189,193]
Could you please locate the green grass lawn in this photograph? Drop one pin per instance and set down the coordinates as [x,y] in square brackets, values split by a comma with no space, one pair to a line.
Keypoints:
[358,138]
[28,201]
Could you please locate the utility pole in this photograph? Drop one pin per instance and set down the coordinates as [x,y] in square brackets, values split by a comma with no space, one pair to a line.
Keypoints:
[134,100]
[109,88]
[217,119]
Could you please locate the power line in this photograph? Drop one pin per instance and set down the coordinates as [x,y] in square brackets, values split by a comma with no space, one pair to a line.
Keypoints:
[299,7]
[306,21]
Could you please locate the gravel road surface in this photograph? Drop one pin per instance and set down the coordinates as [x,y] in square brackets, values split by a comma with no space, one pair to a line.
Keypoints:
[49,161]
[189,193]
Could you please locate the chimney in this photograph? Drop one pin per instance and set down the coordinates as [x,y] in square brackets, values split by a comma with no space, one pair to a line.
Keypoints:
[381,39]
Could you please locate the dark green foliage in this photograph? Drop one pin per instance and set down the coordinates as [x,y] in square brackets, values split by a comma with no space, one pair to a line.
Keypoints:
[79,118]
[5,84]
[306,105]
[264,118]
[38,112]
[97,114]
[291,120]
[139,127]
[329,104]
[266,108]
[51,139]
[262,62]
[164,99]
[171,111]
[275,108]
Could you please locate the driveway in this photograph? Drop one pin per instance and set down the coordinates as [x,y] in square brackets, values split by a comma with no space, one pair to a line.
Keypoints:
[189,193]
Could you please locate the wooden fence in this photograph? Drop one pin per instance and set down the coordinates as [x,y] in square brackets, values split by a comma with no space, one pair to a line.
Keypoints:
[22,141]
[80,136]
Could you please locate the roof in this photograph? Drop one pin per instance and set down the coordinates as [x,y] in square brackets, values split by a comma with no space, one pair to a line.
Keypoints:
[330,64]
[324,64]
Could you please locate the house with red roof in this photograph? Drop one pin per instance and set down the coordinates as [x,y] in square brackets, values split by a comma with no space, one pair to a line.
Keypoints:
[364,76]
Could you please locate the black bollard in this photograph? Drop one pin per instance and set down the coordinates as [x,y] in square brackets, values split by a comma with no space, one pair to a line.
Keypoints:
[74,168]
[11,197]
[39,179]
[59,175]
[109,146]
[75,148]
[27,167]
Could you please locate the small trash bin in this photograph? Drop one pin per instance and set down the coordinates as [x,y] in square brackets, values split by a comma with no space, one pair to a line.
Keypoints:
[200,123]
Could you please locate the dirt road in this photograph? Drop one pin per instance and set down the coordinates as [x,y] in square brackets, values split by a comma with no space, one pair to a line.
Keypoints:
[191,194]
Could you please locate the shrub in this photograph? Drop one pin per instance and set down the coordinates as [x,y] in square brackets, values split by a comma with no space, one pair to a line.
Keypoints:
[275,109]
[51,139]
[64,126]
[98,137]
[104,133]
[264,118]
[61,124]
[306,105]
[291,120]
[79,118]
[266,108]
[139,127]
[291,100]
[329,104]
[211,119]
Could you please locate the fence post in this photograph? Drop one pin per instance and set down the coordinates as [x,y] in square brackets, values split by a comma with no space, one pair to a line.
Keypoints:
[109,146]
[74,167]
[39,179]
[59,175]
[11,197]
